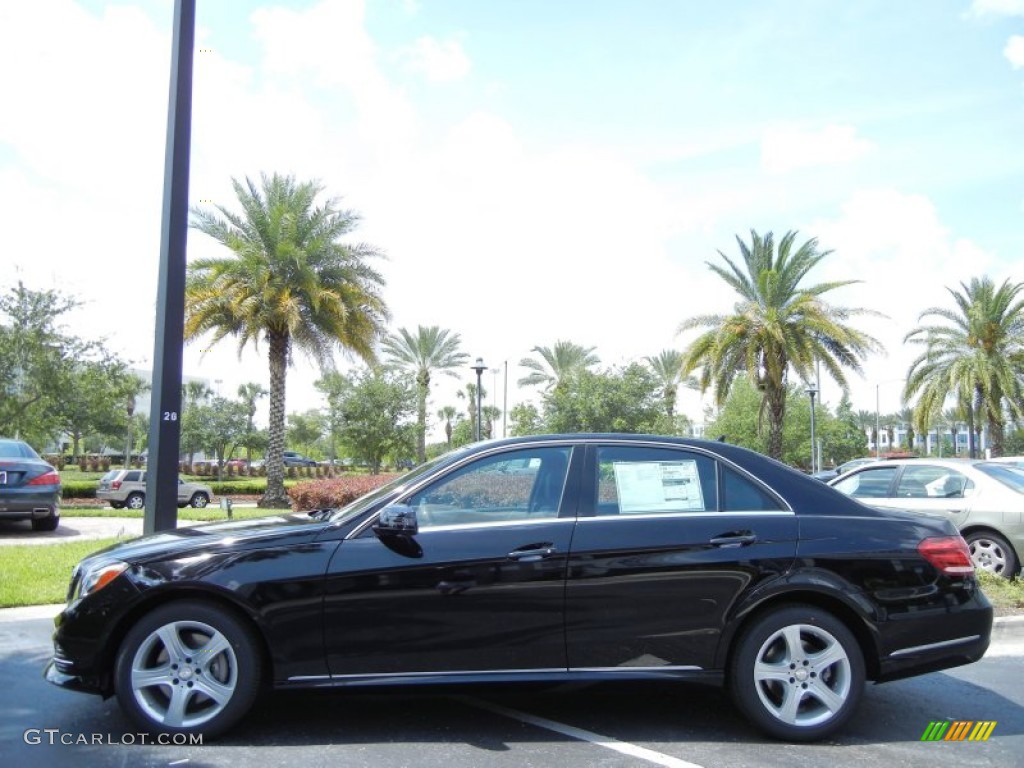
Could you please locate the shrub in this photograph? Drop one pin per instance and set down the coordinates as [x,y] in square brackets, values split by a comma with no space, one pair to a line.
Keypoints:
[334,492]
[78,489]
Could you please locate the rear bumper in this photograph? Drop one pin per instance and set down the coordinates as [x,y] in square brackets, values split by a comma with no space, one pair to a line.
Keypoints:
[30,506]
[964,638]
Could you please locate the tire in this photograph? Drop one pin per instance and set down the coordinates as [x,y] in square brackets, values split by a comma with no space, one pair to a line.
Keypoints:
[165,663]
[117,504]
[135,501]
[797,673]
[46,523]
[991,552]
[199,500]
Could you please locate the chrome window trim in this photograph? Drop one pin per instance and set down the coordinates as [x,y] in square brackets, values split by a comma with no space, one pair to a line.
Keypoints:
[478,672]
[934,646]
[686,515]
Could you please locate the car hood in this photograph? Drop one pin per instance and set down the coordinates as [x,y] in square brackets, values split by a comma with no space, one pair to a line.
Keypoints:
[294,528]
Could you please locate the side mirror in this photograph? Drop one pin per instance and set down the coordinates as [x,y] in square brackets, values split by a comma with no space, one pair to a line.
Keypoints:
[397,520]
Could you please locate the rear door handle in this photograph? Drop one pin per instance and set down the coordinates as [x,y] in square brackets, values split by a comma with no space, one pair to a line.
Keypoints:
[533,552]
[734,540]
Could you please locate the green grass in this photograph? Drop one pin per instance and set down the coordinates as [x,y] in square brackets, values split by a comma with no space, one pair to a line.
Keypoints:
[1007,596]
[208,514]
[37,574]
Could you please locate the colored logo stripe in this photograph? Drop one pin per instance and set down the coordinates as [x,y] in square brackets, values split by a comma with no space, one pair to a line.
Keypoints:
[958,730]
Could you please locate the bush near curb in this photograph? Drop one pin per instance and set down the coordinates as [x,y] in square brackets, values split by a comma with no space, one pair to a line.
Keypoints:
[78,489]
[334,492]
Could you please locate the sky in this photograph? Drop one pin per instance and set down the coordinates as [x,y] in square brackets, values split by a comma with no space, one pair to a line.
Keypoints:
[534,171]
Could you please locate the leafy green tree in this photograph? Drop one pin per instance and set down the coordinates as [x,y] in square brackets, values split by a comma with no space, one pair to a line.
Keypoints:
[430,349]
[305,429]
[973,354]
[525,419]
[618,400]
[195,434]
[469,394]
[38,359]
[737,421]
[335,388]
[377,412]
[290,282]
[98,399]
[776,327]
[225,428]
[490,414]
[556,365]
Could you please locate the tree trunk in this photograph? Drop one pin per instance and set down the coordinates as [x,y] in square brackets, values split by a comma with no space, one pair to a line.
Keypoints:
[423,389]
[275,496]
[776,401]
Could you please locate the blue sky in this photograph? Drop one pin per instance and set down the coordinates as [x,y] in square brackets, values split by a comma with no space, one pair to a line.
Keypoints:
[534,170]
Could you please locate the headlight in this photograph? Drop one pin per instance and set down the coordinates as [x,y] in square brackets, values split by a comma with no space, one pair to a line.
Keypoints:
[97,578]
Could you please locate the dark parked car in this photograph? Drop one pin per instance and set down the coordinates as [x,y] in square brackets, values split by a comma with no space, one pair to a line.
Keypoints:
[601,557]
[293,459]
[29,487]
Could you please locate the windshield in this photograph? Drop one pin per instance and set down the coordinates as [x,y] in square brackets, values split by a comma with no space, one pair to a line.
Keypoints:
[365,501]
[1011,477]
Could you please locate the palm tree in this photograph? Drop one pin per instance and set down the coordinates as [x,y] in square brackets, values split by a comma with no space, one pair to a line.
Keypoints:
[289,282]
[132,387]
[430,349]
[249,393]
[668,367]
[777,325]
[973,355]
[447,414]
[557,364]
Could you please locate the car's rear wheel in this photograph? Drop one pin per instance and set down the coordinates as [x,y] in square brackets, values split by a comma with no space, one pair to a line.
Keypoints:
[991,552]
[199,500]
[117,505]
[49,523]
[797,673]
[135,501]
[188,667]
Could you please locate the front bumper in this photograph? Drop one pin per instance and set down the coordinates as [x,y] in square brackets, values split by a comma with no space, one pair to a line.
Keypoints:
[82,684]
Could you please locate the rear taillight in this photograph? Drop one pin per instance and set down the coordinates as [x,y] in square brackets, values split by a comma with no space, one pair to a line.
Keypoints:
[48,478]
[115,485]
[947,553]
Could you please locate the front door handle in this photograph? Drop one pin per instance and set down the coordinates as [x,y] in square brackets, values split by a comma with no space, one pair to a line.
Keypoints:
[734,540]
[533,552]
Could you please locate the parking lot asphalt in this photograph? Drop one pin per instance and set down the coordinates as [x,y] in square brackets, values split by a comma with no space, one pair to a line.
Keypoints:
[624,725]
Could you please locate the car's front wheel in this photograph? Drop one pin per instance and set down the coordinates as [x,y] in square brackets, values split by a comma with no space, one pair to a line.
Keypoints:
[199,500]
[991,552]
[188,667]
[797,673]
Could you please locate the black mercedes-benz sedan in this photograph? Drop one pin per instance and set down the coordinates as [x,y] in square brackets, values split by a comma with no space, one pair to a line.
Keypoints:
[553,558]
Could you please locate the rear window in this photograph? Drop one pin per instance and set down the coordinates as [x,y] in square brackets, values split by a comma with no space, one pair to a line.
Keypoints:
[15,449]
[1009,476]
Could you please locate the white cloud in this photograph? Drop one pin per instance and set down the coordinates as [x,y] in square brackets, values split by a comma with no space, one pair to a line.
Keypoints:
[906,258]
[438,61]
[1014,51]
[785,148]
[997,7]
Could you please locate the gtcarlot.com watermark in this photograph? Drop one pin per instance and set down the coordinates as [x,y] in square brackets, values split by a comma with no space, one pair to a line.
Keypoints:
[53,736]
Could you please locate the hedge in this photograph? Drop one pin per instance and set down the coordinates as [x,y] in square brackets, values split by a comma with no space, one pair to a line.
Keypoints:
[334,492]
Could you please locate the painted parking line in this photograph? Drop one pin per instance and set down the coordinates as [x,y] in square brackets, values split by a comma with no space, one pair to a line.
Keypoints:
[622,747]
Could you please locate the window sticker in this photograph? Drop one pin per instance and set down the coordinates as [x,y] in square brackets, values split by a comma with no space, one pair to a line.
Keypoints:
[658,486]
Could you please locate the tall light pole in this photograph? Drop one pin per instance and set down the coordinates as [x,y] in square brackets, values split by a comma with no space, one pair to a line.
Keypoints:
[479,368]
[878,424]
[812,391]
[504,405]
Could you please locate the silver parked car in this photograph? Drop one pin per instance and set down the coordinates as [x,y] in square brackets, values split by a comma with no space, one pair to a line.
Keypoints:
[984,499]
[127,488]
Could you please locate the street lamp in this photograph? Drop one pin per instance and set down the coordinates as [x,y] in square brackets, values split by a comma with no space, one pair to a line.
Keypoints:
[479,368]
[812,391]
